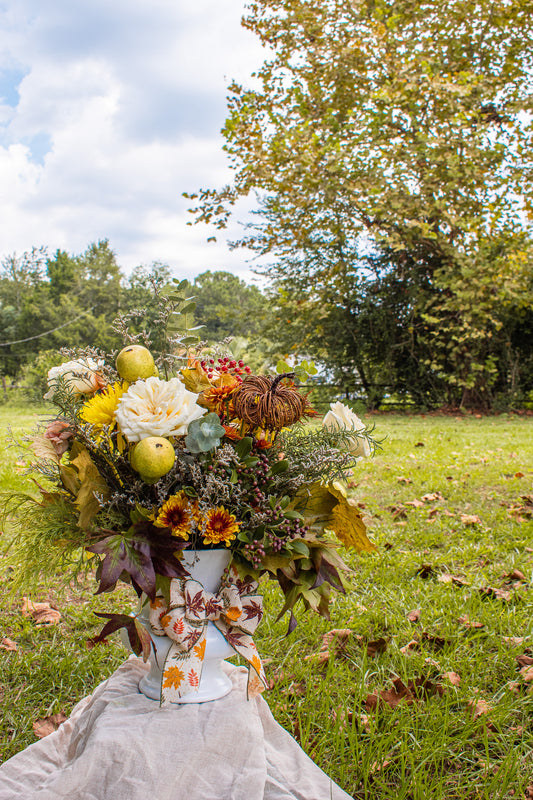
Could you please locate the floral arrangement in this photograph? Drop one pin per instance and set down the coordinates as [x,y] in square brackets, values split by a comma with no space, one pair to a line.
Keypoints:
[146,458]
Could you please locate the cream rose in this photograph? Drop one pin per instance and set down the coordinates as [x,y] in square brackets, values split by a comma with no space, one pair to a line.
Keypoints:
[82,376]
[341,416]
[156,408]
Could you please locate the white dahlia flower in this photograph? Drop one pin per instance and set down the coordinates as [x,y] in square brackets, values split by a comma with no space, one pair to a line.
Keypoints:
[156,408]
[341,416]
[82,376]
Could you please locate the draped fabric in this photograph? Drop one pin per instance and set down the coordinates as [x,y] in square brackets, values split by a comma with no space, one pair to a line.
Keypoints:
[119,745]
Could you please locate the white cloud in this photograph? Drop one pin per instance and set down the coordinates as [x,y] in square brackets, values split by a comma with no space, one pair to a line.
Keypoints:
[118,112]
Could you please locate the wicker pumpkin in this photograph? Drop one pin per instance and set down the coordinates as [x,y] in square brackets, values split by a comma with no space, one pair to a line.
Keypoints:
[267,403]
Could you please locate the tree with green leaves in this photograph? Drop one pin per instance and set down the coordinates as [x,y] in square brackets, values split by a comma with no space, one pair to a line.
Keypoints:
[227,305]
[407,126]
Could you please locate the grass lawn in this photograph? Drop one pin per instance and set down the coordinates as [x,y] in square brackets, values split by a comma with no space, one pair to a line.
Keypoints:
[436,706]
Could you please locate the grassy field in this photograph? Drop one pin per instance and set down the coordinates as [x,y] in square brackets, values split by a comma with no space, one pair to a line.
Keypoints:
[425,693]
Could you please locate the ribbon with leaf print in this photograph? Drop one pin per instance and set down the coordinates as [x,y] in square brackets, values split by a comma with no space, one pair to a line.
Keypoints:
[235,610]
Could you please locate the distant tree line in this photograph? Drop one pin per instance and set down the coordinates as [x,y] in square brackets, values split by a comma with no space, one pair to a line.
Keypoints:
[63,300]
[364,326]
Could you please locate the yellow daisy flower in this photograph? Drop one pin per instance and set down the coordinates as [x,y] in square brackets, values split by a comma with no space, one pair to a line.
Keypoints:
[177,513]
[220,526]
[100,409]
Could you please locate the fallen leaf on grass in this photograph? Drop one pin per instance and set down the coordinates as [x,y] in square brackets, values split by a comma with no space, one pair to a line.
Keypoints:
[514,640]
[375,647]
[524,660]
[47,725]
[453,677]
[470,519]
[420,444]
[404,480]
[398,511]
[333,644]
[498,594]
[296,689]
[479,707]
[526,673]
[430,498]
[446,577]
[415,503]
[414,644]
[41,613]
[425,571]
[414,616]
[529,793]
[8,644]
[466,621]
[376,766]
[437,641]
[514,575]
[420,688]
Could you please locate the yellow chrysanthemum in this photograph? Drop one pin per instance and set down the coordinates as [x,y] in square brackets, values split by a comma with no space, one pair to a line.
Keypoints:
[220,526]
[100,409]
[179,514]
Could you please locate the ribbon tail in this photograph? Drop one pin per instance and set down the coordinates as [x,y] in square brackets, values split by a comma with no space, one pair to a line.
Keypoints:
[244,645]
[182,670]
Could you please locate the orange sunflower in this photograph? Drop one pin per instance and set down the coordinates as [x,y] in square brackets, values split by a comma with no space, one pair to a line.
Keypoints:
[179,514]
[220,526]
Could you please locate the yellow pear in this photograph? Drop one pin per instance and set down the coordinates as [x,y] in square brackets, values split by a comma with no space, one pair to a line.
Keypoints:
[135,362]
[152,458]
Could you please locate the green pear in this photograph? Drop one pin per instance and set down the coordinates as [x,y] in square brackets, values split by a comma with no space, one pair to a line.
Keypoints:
[152,458]
[135,362]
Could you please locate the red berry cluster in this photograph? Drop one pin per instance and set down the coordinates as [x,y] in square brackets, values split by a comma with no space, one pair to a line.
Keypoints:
[225,366]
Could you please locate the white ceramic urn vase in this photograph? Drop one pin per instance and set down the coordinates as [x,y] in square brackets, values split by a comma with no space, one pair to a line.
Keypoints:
[205,566]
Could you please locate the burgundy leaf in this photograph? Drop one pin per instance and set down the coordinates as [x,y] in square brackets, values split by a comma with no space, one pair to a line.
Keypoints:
[252,610]
[331,575]
[139,638]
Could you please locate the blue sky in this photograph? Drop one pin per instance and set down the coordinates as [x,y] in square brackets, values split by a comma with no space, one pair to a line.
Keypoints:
[109,110]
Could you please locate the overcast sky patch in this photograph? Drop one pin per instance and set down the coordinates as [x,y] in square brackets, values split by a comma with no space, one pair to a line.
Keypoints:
[108,113]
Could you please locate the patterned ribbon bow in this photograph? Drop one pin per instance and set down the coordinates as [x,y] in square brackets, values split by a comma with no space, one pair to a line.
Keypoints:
[235,611]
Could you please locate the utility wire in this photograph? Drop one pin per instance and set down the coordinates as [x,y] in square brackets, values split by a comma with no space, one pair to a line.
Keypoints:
[39,335]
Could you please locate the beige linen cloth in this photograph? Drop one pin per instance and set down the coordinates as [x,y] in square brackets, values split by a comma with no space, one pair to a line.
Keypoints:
[119,745]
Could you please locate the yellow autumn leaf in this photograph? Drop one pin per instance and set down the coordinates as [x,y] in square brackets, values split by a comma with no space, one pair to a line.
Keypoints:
[90,482]
[346,522]
[195,379]
[44,448]
[199,650]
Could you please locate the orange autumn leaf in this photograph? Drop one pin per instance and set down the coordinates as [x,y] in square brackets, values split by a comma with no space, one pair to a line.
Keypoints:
[172,678]
[199,650]
[193,679]
[233,613]
[178,626]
